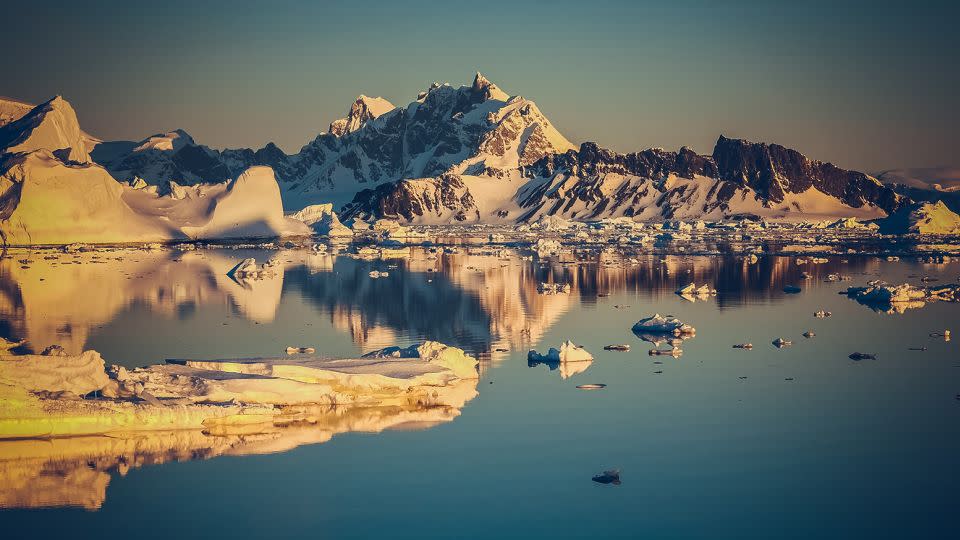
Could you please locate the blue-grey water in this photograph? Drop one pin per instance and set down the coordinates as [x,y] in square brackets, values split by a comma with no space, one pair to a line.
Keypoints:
[799,442]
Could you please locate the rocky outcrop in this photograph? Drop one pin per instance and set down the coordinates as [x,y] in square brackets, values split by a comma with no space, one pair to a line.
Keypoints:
[774,171]
[444,198]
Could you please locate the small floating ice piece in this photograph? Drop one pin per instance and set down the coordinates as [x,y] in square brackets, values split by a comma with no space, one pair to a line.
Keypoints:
[809,334]
[592,386]
[743,346]
[821,314]
[663,325]
[608,477]
[675,352]
[780,343]
[619,347]
[300,350]
[862,356]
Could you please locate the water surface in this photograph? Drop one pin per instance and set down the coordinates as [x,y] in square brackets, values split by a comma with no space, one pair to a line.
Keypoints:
[796,442]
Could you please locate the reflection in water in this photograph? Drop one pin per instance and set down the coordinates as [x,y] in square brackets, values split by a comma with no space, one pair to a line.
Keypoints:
[485,301]
[76,471]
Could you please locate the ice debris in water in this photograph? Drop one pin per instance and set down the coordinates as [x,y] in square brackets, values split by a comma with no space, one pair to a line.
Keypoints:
[781,343]
[658,324]
[608,477]
[568,352]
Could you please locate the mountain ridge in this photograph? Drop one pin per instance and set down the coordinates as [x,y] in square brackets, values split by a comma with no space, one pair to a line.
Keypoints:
[475,153]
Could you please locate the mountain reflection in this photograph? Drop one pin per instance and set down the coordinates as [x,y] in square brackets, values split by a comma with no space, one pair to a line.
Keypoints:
[486,301]
[481,300]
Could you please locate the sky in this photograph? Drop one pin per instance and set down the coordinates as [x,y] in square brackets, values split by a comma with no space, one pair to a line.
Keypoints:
[866,85]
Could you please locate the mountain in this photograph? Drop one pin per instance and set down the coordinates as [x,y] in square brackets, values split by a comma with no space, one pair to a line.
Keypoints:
[51,192]
[474,153]
[476,129]
[929,184]
[740,179]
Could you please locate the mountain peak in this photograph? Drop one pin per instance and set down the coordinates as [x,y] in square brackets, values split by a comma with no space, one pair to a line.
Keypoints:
[363,110]
[170,141]
[51,126]
[483,86]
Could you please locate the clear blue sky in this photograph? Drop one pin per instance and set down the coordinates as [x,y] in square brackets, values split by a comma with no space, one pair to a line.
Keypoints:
[867,85]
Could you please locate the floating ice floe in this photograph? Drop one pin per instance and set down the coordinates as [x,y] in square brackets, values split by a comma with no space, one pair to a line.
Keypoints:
[781,343]
[898,298]
[691,292]
[658,324]
[743,346]
[547,246]
[862,356]
[53,396]
[569,358]
[300,350]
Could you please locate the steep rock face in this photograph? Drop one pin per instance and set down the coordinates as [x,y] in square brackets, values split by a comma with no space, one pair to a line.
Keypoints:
[774,171]
[52,126]
[440,199]
[595,183]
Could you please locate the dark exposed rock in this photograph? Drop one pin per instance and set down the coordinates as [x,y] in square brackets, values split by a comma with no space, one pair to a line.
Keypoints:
[773,171]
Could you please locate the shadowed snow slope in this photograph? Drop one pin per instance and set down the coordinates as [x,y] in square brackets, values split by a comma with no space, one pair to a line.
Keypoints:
[925,218]
[51,126]
[46,201]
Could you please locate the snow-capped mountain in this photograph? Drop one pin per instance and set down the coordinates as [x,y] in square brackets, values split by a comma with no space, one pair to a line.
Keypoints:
[476,129]
[740,179]
[476,154]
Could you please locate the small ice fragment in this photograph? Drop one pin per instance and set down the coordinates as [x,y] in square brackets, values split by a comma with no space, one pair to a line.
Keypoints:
[608,477]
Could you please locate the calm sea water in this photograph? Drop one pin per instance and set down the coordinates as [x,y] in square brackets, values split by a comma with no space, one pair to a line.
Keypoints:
[798,442]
